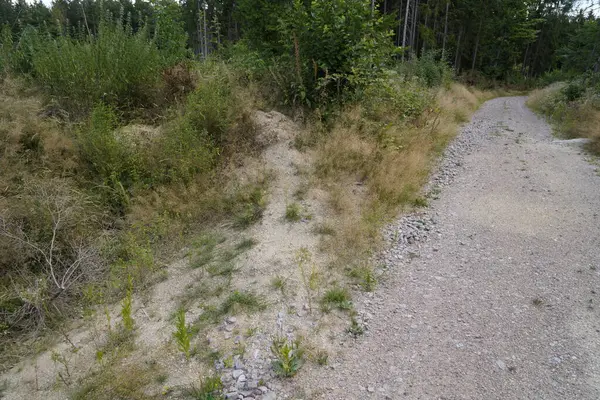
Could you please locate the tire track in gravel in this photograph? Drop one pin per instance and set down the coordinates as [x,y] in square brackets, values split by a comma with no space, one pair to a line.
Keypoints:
[491,293]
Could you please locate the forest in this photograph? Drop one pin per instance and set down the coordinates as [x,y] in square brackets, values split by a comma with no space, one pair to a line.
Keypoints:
[501,39]
[124,127]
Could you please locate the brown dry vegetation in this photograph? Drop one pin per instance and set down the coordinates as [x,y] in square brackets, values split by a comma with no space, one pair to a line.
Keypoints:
[572,119]
[373,170]
[44,173]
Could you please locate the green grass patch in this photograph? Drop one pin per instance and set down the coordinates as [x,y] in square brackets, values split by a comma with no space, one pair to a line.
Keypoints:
[338,298]
[242,301]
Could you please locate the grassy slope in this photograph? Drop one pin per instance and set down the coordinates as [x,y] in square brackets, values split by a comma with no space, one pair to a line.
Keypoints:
[371,162]
[576,119]
[373,168]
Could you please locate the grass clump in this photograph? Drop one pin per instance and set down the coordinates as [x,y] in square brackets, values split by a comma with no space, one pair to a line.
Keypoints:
[364,276]
[355,329]
[249,206]
[210,389]
[336,298]
[119,380]
[242,301]
[324,229]
[289,357]
[278,282]
[246,244]
[293,212]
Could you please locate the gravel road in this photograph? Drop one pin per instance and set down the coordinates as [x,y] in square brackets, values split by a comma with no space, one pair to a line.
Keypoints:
[493,292]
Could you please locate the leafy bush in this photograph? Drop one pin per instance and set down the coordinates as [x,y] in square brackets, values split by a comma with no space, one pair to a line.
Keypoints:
[289,357]
[574,90]
[405,98]
[116,66]
[338,46]
[211,107]
[109,155]
[430,70]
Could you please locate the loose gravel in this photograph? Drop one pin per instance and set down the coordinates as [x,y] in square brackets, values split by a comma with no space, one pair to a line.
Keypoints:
[493,291]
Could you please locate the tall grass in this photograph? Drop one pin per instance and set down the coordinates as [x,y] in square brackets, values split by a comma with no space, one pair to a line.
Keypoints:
[573,109]
[378,155]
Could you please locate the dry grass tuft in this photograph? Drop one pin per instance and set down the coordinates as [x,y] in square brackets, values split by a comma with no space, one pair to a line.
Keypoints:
[372,170]
[571,119]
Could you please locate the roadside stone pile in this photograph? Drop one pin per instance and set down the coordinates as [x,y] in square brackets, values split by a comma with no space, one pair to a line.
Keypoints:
[406,235]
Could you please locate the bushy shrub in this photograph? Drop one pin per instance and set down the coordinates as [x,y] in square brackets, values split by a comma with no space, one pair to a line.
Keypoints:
[429,69]
[405,99]
[183,151]
[332,49]
[116,66]
[49,256]
[211,106]
[247,63]
[574,90]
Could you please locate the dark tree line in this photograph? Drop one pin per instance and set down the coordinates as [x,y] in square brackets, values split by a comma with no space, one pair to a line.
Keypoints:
[499,38]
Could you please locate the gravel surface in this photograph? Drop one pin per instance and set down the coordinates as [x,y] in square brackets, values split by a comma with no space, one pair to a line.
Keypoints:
[491,293]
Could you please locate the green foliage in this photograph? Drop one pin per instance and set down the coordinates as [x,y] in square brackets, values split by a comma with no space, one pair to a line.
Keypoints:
[210,389]
[212,106]
[365,277]
[182,333]
[289,356]
[338,47]
[249,205]
[116,66]
[186,151]
[355,329]
[279,283]
[428,68]
[408,98]
[25,50]
[6,50]
[109,156]
[336,298]
[169,31]
[580,53]
[574,90]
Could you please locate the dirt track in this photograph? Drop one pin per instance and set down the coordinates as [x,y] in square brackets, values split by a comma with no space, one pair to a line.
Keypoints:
[503,300]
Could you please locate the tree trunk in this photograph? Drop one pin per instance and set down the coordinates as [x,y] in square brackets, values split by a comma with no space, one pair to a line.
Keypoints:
[413,39]
[457,57]
[445,31]
[205,35]
[405,26]
[425,41]
[399,23]
[476,46]
[524,67]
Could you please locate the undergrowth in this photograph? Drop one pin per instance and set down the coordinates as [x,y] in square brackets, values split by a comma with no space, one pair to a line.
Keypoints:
[573,108]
